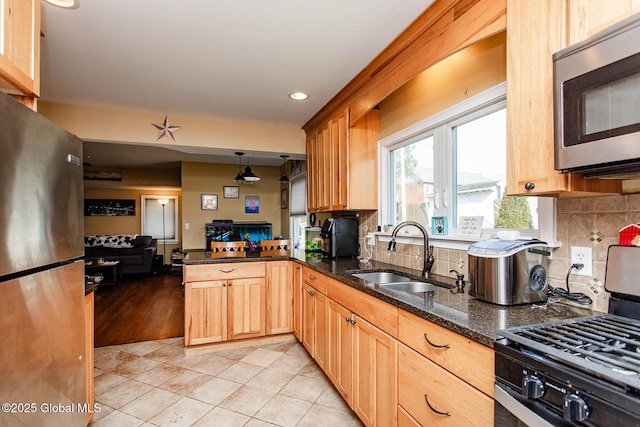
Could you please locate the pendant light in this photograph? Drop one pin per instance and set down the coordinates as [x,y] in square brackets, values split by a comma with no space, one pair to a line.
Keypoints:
[284,179]
[249,176]
[239,179]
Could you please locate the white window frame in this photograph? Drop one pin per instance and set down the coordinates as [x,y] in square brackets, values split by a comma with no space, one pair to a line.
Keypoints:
[463,112]
[169,241]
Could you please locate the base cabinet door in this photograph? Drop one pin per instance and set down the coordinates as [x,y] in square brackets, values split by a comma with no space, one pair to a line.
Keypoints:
[308,331]
[297,301]
[279,297]
[434,396]
[340,349]
[375,386]
[205,312]
[245,308]
[314,329]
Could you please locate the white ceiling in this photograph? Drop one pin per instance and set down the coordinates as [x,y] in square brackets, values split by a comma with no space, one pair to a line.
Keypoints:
[229,60]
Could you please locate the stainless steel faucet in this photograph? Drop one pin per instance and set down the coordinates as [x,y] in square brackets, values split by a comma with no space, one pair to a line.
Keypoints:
[428,250]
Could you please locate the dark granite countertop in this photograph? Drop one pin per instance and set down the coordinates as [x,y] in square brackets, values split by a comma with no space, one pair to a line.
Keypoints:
[475,319]
[90,288]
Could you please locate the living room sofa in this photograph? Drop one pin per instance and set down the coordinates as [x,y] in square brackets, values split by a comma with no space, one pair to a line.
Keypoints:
[135,252]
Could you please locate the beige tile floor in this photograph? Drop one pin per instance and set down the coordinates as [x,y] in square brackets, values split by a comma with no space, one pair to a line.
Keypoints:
[153,383]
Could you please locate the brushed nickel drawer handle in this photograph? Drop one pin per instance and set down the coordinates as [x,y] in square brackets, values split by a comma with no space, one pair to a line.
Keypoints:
[435,345]
[426,399]
[228,271]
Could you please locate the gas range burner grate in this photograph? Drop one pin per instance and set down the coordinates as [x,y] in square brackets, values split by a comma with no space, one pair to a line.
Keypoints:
[607,346]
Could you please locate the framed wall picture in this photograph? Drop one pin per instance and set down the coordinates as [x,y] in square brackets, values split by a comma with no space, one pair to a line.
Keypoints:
[209,202]
[109,207]
[252,204]
[439,225]
[231,192]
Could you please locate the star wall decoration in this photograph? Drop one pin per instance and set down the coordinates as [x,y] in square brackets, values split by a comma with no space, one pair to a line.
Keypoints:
[165,129]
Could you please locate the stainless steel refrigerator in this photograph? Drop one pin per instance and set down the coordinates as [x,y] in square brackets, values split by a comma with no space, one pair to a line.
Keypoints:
[42,366]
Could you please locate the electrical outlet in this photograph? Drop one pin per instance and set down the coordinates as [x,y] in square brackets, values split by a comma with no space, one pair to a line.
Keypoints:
[582,255]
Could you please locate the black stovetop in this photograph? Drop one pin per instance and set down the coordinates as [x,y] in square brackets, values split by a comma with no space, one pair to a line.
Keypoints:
[606,346]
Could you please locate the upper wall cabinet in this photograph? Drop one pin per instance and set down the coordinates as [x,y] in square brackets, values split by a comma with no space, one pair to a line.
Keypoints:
[20,47]
[342,164]
[535,30]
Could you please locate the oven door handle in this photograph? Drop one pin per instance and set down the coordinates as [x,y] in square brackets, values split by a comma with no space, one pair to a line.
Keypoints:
[517,409]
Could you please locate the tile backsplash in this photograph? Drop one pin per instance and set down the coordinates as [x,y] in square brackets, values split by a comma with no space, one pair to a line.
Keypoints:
[589,222]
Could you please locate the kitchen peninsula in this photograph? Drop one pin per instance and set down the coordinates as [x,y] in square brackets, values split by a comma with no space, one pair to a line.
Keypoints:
[371,342]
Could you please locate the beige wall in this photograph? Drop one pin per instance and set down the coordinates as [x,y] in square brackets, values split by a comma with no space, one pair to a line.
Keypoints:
[451,81]
[124,224]
[104,124]
[204,178]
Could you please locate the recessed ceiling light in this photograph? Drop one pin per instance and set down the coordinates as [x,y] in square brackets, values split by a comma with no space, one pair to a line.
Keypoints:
[67,4]
[298,96]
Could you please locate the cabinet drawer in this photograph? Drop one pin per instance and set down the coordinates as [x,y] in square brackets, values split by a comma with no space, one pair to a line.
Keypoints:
[315,279]
[420,380]
[222,271]
[377,312]
[467,359]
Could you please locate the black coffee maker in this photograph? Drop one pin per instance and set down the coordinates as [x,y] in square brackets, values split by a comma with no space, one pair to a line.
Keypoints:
[340,237]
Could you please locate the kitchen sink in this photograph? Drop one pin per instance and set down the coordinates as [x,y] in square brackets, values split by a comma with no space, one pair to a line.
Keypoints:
[382,277]
[412,286]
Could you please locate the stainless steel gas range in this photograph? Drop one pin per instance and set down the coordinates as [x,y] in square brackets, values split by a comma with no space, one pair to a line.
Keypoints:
[578,372]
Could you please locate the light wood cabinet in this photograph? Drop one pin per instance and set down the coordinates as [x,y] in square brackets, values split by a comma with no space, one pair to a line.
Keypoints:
[20,47]
[279,297]
[224,302]
[314,331]
[434,396]
[340,360]
[89,319]
[245,308]
[297,301]
[465,358]
[530,138]
[341,161]
[339,158]
[312,171]
[587,17]
[375,380]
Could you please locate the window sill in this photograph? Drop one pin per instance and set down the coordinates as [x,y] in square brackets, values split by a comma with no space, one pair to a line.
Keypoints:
[451,240]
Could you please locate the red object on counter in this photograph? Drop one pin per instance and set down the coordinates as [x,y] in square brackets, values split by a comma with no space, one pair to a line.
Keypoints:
[628,234]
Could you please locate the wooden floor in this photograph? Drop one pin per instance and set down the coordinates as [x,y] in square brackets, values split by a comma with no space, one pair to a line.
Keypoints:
[139,309]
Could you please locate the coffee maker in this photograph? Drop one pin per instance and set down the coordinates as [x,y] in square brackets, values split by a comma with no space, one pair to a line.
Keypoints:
[340,237]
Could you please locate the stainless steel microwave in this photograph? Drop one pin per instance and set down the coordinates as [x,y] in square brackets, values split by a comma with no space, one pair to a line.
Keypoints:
[597,103]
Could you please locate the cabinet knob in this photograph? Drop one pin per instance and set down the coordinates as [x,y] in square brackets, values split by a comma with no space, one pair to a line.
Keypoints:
[311,293]
[529,186]
[224,284]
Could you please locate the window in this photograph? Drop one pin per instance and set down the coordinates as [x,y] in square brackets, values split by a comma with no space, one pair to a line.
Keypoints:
[158,221]
[453,165]
[298,211]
